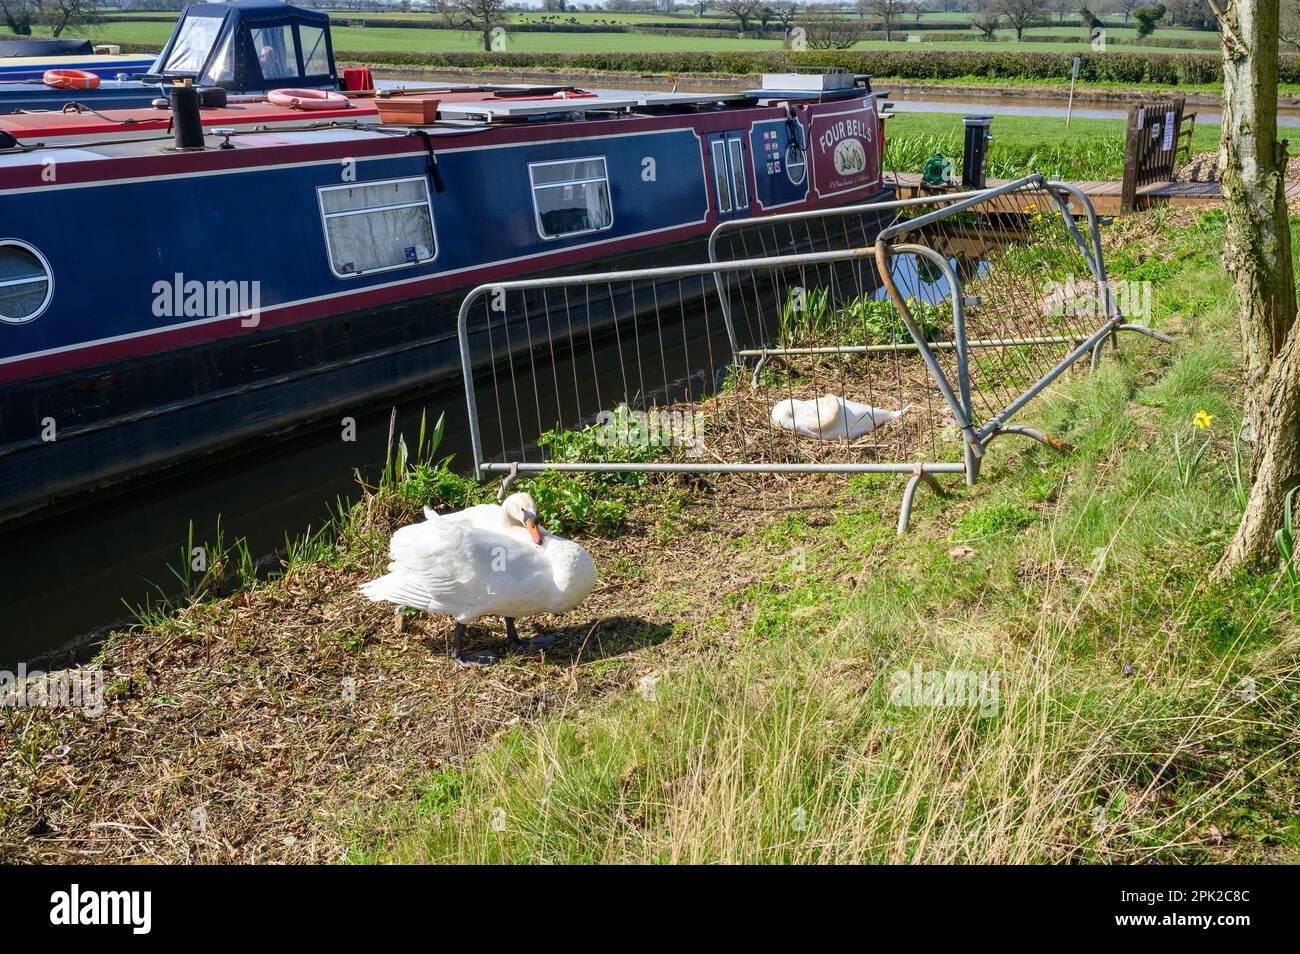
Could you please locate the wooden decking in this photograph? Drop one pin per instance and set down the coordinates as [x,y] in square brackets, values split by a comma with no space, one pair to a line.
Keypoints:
[1105,196]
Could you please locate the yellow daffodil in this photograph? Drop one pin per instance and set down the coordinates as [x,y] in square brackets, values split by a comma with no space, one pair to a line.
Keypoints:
[1202,420]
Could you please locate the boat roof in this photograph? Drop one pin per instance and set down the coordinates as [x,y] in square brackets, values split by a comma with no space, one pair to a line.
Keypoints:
[51,128]
[453,109]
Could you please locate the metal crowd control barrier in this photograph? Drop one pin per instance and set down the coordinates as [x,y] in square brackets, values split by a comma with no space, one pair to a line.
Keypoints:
[893,337]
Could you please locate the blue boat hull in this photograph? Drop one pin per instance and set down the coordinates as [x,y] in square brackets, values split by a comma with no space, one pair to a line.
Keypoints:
[157,416]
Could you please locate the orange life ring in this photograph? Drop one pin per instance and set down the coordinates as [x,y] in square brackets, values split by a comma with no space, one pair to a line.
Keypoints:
[308,99]
[70,79]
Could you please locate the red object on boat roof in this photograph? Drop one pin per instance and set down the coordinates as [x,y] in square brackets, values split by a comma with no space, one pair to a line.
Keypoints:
[357,79]
[70,79]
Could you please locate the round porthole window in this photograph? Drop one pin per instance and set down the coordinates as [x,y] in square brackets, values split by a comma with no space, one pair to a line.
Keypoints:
[26,284]
[796,164]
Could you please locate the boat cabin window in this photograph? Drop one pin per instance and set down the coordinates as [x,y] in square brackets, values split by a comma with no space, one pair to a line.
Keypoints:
[720,175]
[26,283]
[190,51]
[222,68]
[738,173]
[315,54]
[376,226]
[276,53]
[571,197]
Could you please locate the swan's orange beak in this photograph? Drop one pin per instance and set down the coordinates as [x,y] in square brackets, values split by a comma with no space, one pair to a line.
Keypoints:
[533,527]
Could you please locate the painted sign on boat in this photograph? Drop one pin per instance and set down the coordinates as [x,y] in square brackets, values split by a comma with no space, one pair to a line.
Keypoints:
[846,155]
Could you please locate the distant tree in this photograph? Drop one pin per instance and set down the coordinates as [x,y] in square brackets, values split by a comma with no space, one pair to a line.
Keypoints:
[58,15]
[786,12]
[1019,13]
[555,6]
[479,16]
[20,16]
[886,12]
[742,10]
[765,16]
[1195,14]
[825,29]
[1147,17]
[701,7]
[987,23]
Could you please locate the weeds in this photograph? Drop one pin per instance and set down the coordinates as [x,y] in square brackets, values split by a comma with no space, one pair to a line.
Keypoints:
[1285,537]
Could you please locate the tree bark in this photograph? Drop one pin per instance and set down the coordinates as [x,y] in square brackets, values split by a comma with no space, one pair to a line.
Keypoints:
[1257,253]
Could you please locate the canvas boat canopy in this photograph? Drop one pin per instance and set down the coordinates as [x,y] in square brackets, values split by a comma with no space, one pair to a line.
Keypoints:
[250,46]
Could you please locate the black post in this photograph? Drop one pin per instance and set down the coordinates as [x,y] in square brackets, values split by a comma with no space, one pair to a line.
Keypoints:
[976,154]
[187,127]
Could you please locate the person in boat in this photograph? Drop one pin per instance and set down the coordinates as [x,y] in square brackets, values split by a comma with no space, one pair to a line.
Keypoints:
[271,63]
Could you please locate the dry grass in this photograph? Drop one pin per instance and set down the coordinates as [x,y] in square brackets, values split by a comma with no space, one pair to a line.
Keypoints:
[257,728]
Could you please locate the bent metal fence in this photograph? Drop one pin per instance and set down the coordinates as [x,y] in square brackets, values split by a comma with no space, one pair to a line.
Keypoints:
[894,338]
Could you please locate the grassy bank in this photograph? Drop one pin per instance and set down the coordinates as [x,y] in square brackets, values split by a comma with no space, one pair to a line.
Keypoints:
[1089,149]
[729,692]
[1146,713]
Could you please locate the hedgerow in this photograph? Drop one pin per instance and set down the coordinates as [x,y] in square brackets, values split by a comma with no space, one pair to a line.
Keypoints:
[1165,69]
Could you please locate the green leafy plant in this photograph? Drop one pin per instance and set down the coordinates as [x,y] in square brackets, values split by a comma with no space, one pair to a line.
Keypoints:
[1285,537]
[881,323]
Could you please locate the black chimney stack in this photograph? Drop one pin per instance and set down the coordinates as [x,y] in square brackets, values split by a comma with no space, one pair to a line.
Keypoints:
[187,126]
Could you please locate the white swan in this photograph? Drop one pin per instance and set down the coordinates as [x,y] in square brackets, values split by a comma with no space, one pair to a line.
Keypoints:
[831,418]
[485,561]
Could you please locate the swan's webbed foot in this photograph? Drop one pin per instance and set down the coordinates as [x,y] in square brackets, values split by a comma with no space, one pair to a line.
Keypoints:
[537,642]
[480,657]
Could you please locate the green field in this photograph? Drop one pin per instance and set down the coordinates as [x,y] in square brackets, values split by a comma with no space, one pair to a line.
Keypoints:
[1089,149]
[357,39]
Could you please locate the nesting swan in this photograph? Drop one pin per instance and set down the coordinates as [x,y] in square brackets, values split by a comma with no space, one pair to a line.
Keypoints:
[487,560]
[831,418]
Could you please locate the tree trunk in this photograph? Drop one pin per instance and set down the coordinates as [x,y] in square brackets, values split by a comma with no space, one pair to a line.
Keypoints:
[1257,253]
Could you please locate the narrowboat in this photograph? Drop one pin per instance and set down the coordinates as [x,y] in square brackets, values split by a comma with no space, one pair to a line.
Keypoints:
[160,302]
[244,47]
[28,60]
